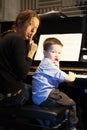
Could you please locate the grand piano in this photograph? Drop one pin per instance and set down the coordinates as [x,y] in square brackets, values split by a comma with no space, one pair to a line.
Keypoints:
[57,23]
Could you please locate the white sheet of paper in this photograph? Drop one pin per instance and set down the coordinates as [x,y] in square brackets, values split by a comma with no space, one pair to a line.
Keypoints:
[71,46]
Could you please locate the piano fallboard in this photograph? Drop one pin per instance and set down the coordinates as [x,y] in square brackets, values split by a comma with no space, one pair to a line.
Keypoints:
[75,66]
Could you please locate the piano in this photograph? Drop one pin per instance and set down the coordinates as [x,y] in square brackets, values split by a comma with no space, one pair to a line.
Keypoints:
[58,24]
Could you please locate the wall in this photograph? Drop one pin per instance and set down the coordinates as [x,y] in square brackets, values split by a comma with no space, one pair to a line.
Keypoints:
[9,9]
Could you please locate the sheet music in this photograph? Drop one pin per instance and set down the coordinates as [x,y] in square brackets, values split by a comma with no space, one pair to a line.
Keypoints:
[71,48]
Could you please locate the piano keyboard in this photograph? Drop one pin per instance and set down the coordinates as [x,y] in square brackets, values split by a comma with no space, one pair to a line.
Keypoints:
[77,75]
[81,76]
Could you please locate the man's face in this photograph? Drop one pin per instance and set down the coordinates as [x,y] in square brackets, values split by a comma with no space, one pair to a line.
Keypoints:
[29,29]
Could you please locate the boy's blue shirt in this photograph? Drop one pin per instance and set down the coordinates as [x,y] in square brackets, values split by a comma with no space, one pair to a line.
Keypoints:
[46,78]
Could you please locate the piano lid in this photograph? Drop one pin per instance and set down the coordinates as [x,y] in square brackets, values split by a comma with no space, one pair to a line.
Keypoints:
[52,14]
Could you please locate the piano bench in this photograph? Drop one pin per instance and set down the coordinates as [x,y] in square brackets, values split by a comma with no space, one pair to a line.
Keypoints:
[35,117]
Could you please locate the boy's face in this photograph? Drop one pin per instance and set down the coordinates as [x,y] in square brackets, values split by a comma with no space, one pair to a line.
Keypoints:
[54,53]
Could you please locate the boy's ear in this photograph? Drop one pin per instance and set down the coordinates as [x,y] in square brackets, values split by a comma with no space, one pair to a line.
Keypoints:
[44,52]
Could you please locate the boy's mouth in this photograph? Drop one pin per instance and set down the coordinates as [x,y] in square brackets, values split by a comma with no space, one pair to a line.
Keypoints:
[56,59]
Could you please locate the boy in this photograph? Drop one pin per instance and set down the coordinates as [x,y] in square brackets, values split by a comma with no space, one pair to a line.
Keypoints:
[47,78]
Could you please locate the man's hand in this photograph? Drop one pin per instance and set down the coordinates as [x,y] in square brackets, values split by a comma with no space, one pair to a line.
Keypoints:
[33,48]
